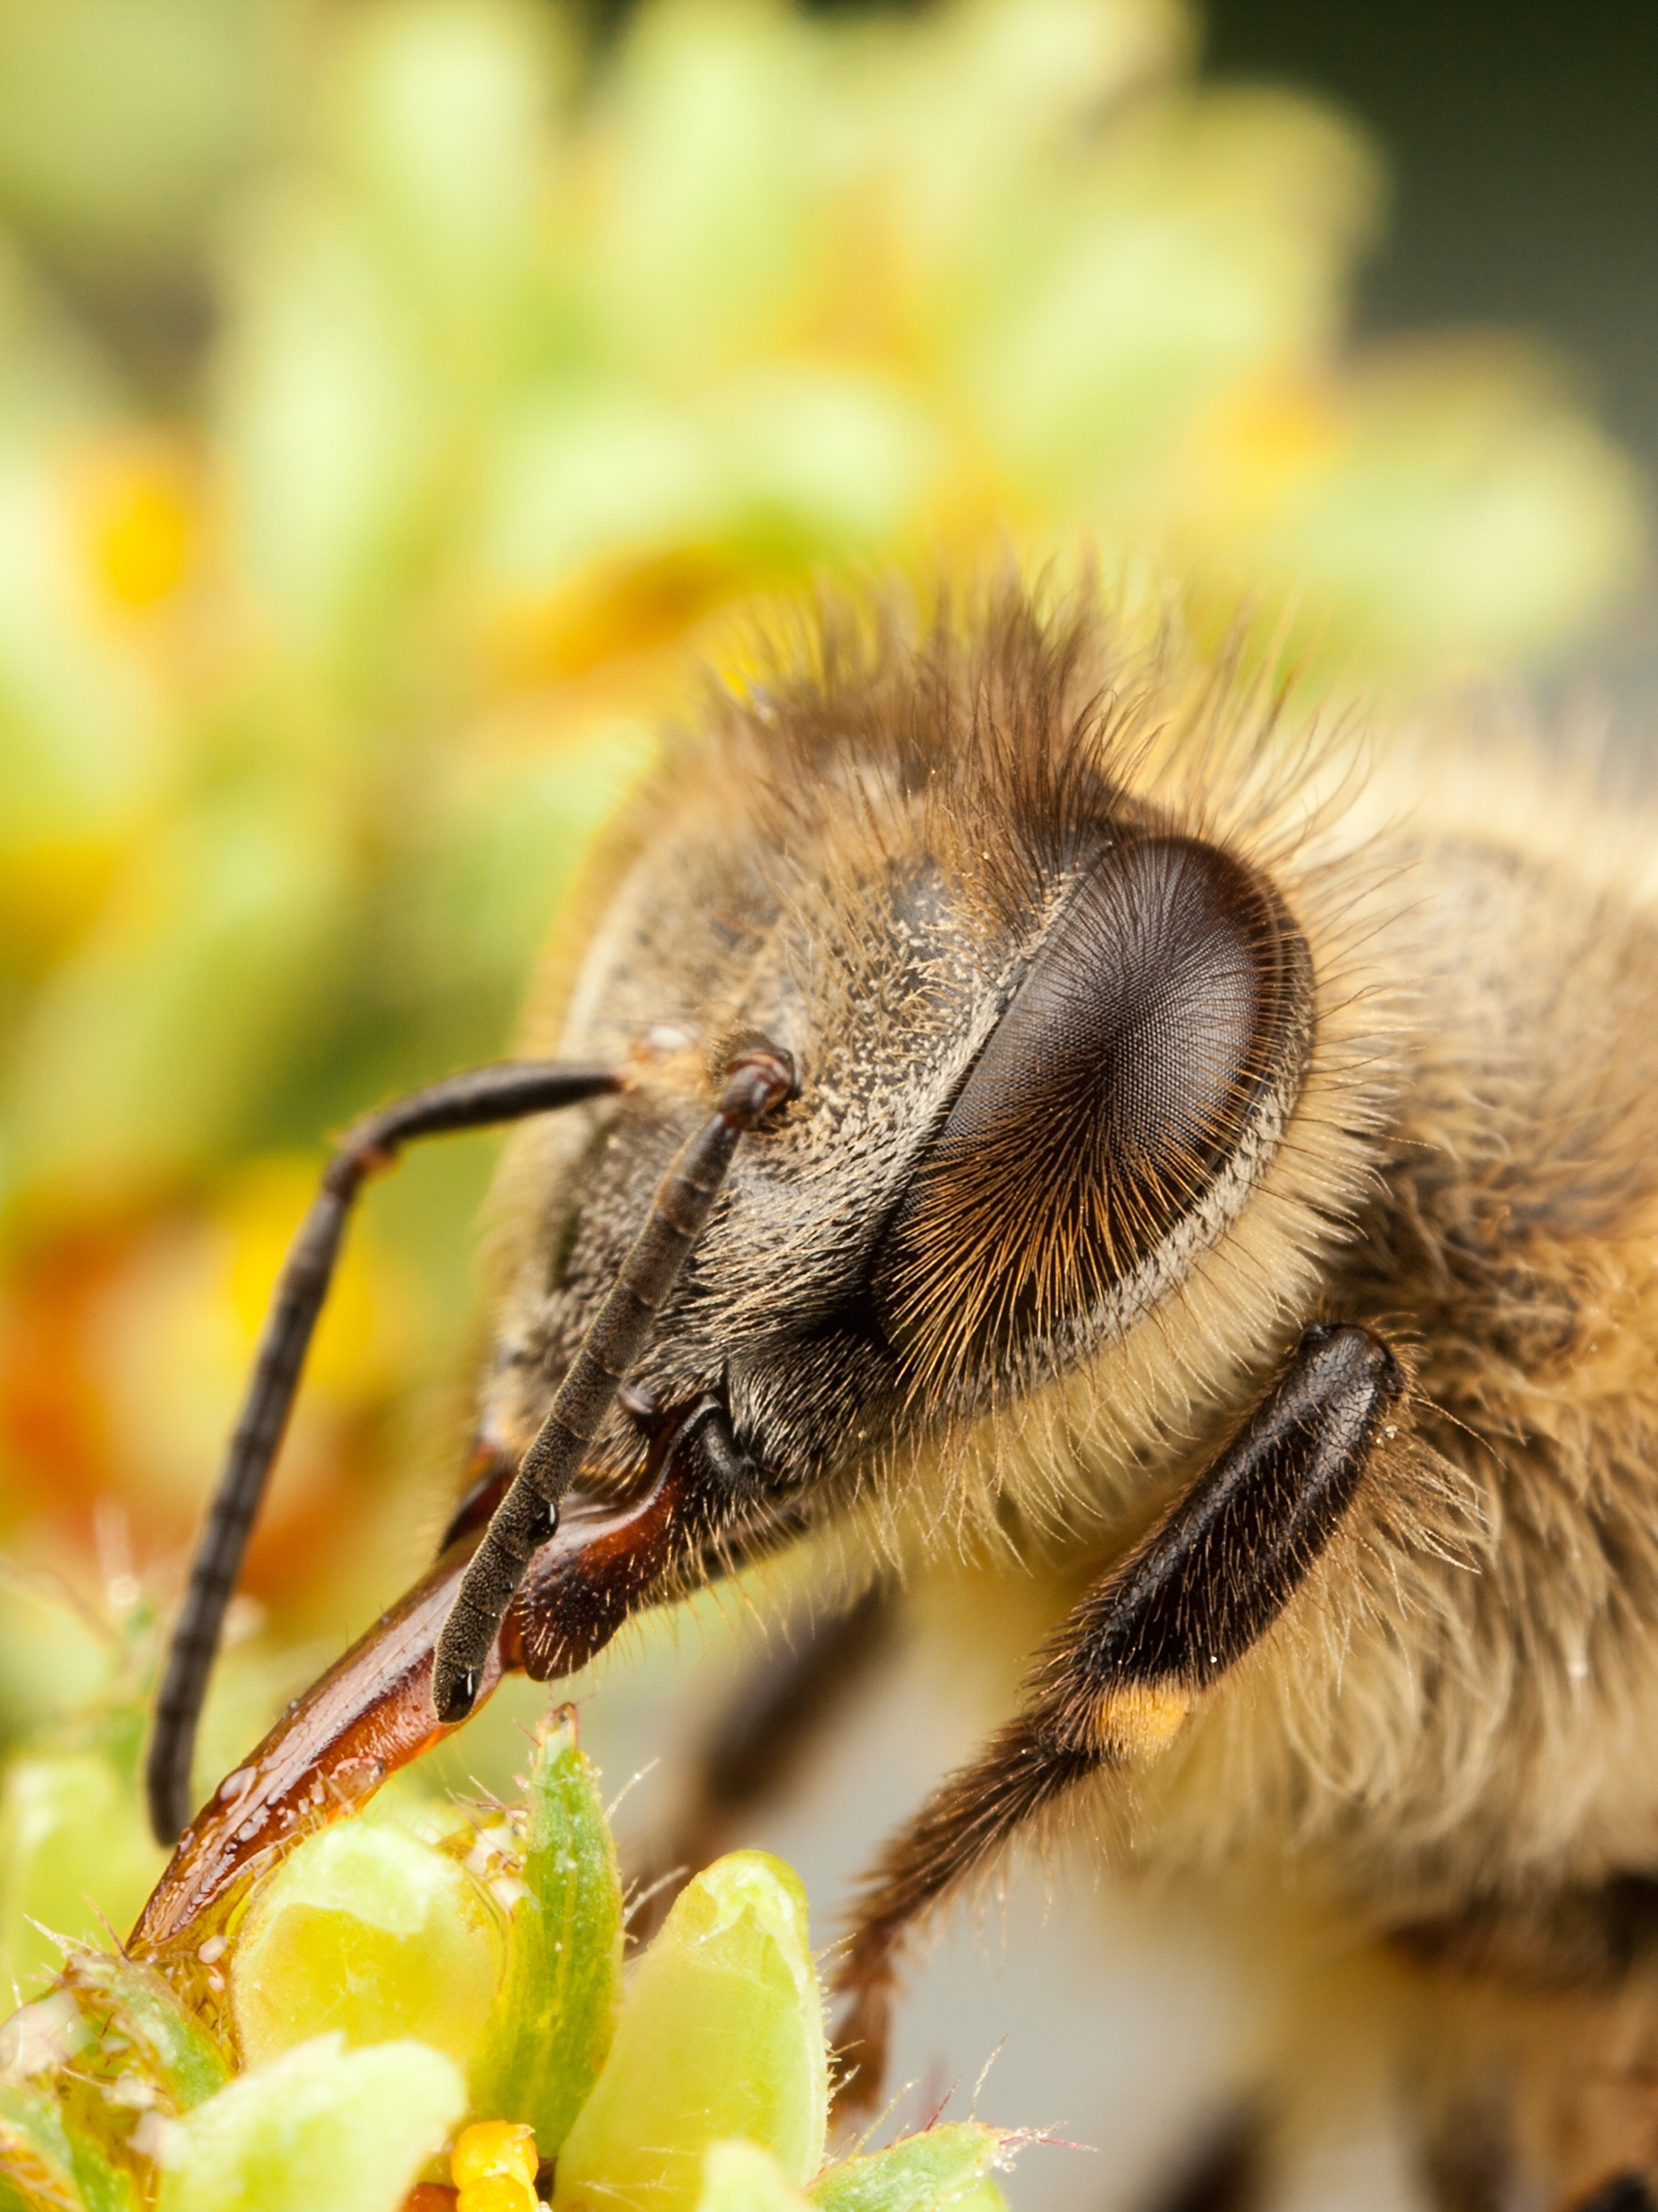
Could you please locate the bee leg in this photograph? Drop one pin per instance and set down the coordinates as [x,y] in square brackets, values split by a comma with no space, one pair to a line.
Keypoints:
[766,1733]
[1117,1684]
[483,1096]
[1227,2174]
[765,1736]
[1586,1956]
[1623,2192]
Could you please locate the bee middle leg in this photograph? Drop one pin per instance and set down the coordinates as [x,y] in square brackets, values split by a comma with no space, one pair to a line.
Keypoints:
[1118,1681]
[1537,2085]
[763,1737]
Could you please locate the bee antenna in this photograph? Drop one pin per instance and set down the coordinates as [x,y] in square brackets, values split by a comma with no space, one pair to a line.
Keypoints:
[760,1077]
[508,1090]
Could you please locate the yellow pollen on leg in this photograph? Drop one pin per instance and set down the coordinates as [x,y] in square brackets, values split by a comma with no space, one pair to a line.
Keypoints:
[1139,1719]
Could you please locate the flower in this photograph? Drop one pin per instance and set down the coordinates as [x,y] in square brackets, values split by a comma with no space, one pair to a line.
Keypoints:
[378,1997]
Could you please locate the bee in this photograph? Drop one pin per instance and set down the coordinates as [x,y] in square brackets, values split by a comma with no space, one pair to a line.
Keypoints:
[1023,1095]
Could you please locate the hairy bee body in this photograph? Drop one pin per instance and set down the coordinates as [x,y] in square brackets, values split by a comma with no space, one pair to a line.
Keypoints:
[1446,1738]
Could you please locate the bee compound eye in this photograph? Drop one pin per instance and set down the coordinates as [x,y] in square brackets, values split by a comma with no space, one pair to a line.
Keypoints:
[1145,1064]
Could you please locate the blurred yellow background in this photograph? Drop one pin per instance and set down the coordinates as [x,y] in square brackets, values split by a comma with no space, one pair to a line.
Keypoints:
[392,399]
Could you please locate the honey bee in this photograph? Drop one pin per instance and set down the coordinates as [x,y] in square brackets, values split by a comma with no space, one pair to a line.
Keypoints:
[1027,1096]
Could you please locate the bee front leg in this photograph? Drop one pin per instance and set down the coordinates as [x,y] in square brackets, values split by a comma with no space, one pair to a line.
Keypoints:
[1143,1646]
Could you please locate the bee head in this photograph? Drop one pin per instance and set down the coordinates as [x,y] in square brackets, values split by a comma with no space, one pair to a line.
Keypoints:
[1049,1031]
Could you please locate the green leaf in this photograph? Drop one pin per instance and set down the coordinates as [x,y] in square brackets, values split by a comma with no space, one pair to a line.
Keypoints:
[364,1929]
[319,2130]
[721,2034]
[947,2165]
[184,2059]
[550,2029]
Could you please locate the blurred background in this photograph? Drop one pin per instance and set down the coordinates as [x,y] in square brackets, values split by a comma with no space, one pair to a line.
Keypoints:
[395,399]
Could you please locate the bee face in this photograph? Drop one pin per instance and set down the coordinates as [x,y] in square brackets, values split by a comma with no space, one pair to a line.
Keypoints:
[1049,1039]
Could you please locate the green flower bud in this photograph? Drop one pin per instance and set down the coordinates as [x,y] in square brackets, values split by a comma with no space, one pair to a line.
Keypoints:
[176,2052]
[551,2025]
[984,2196]
[363,1929]
[721,2034]
[740,2177]
[319,2130]
[945,2166]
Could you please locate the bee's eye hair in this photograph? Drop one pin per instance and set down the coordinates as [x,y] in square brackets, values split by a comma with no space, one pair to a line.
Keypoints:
[1115,1119]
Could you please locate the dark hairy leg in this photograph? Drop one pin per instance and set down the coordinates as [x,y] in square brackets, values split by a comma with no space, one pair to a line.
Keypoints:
[775,1718]
[1472,2156]
[769,1729]
[1577,1965]
[1623,2192]
[1152,1638]
[1587,1939]
[1226,2174]
[507,1091]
